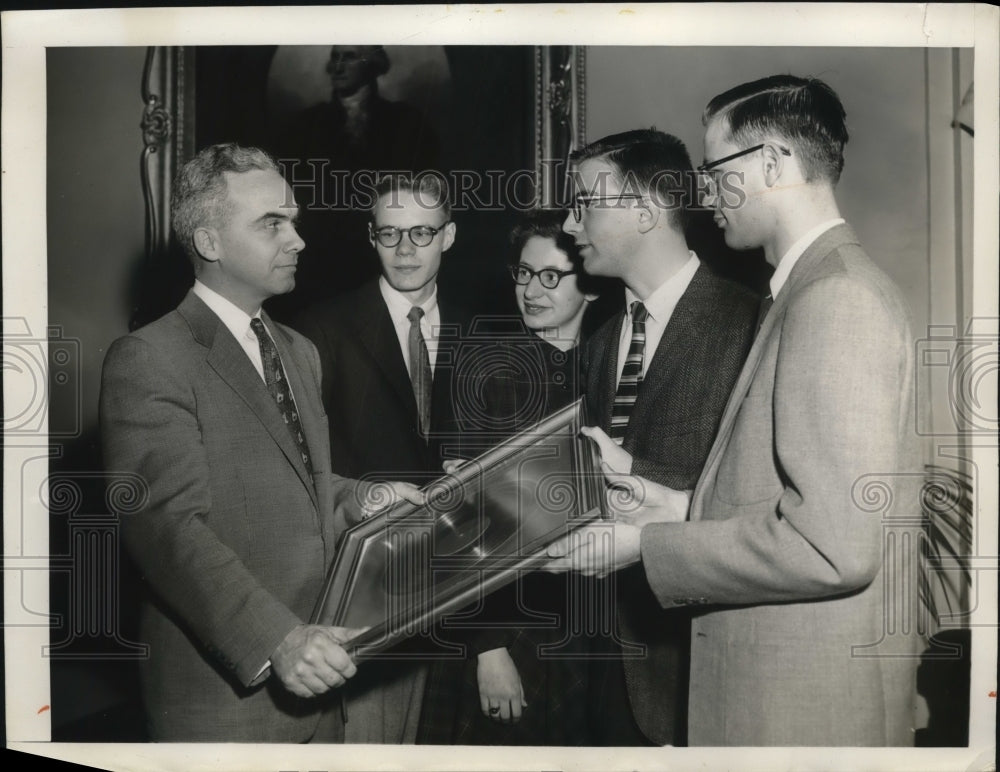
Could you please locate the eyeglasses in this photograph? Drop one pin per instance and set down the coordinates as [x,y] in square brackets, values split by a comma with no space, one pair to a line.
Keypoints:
[420,235]
[708,187]
[580,202]
[712,164]
[547,277]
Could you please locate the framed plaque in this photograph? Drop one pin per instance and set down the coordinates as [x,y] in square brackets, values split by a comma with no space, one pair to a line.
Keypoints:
[401,570]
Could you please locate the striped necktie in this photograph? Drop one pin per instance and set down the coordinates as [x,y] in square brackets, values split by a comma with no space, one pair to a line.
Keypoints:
[628,385]
[277,384]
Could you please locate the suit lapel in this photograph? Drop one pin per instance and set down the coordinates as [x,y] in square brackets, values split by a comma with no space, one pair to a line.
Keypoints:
[804,268]
[607,362]
[676,339]
[231,363]
[306,396]
[449,336]
[377,335]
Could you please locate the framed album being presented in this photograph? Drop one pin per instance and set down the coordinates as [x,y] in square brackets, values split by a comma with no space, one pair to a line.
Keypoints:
[398,572]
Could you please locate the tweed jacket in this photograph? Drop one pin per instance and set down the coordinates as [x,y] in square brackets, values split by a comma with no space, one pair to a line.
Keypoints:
[234,535]
[670,431]
[792,564]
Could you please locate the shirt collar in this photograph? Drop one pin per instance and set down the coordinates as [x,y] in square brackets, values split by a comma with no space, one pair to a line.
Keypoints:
[399,305]
[791,257]
[235,318]
[661,303]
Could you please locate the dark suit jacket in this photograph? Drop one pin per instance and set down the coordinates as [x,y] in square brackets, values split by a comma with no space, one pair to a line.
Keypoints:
[234,537]
[373,413]
[670,431]
[367,392]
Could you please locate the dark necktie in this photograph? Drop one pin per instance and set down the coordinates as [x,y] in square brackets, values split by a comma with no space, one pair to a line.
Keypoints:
[628,384]
[277,384]
[765,305]
[420,369]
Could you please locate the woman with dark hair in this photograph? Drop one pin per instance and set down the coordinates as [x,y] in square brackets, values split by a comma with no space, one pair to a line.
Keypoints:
[527,376]
[525,680]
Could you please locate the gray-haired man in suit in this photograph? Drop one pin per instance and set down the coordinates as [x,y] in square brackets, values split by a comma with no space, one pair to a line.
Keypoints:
[793,643]
[217,408]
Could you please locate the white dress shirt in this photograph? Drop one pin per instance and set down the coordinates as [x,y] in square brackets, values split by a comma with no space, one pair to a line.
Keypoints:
[791,257]
[660,307]
[237,321]
[430,323]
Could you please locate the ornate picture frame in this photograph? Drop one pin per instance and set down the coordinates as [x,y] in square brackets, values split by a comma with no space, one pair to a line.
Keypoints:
[402,570]
[540,106]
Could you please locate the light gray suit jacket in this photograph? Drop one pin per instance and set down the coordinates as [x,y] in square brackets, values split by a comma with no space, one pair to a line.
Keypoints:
[788,551]
[235,537]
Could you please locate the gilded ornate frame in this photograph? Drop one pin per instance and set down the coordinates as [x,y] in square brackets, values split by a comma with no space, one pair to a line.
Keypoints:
[168,121]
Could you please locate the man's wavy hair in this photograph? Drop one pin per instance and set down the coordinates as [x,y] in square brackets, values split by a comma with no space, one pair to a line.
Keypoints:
[200,191]
[805,112]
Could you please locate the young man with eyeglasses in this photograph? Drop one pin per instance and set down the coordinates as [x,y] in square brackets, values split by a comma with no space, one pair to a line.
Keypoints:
[798,546]
[386,350]
[657,378]
[333,151]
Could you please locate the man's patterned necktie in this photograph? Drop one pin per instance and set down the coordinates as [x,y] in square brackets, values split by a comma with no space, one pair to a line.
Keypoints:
[628,385]
[420,369]
[277,384]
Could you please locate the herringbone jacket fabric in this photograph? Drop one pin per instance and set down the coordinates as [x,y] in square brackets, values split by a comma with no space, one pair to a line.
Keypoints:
[670,431]
[235,537]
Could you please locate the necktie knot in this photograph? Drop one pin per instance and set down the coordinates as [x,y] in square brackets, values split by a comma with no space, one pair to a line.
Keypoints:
[268,353]
[415,314]
[639,312]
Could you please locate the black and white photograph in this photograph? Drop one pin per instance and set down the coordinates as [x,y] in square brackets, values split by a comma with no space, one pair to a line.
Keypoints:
[584,387]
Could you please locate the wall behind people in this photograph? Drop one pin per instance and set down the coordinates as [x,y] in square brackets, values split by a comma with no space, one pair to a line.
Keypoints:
[96,222]
[96,246]
[883,192]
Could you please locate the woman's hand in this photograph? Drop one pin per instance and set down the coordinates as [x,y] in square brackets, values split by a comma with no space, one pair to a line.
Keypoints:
[501,695]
